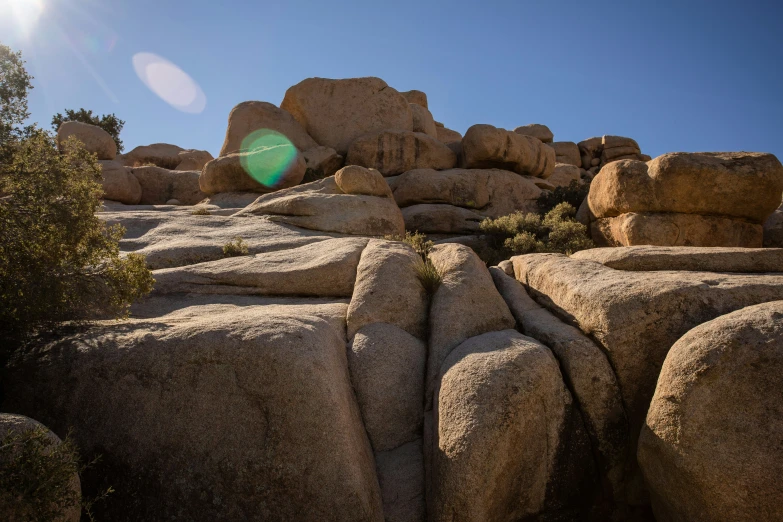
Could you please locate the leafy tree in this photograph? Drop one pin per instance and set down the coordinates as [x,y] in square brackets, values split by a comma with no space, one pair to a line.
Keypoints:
[58,260]
[108,122]
[14,86]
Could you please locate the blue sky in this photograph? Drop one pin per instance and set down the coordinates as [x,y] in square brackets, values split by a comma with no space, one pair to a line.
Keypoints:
[675,76]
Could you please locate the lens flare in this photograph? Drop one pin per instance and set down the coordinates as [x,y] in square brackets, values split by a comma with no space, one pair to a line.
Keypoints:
[22,14]
[169,82]
[267,155]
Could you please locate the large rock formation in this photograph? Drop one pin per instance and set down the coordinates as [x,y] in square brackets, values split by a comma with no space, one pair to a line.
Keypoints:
[711,446]
[93,138]
[336,112]
[313,205]
[119,184]
[264,169]
[166,156]
[683,199]
[485,146]
[635,316]
[160,185]
[394,152]
[251,116]
[456,200]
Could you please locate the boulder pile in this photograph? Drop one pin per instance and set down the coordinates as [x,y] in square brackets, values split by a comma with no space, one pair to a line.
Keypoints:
[331,371]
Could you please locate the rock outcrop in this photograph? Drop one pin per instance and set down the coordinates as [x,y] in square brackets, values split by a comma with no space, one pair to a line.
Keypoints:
[264,169]
[159,185]
[312,206]
[683,199]
[94,138]
[710,448]
[485,146]
[166,156]
[336,112]
[536,130]
[394,152]
[251,116]
[119,184]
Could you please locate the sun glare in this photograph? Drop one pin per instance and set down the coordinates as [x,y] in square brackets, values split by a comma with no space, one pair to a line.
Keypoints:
[23,13]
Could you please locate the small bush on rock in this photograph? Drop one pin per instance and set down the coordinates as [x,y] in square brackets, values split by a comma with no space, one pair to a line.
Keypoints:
[234,248]
[201,211]
[425,270]
[518,233]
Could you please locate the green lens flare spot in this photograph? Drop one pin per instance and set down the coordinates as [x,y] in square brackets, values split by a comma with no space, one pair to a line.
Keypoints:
[266,156]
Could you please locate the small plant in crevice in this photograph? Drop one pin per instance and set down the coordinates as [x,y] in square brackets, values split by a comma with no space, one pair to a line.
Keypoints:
[234,248]
[425,271]
[201,211]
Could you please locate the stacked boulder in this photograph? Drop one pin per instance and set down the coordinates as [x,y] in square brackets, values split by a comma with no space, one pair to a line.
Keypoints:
[600,151]
[682,199]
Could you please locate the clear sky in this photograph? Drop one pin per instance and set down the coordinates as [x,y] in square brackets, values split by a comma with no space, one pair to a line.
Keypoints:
[675,76]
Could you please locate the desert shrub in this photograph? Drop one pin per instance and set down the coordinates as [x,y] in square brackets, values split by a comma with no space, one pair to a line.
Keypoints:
[573,194]
[201,211]
[234,248]
[35,475]
[425,271]
[58,260]
[108,122]
[521,233]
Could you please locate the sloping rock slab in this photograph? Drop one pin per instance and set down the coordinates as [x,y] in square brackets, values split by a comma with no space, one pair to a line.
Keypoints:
[696,259]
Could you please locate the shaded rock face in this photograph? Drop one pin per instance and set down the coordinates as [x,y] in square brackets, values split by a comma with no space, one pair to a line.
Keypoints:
[12,509]
[94,138]
[773,229]
[686,199]
[600,151]
[336,112]
[636,316]
[284,378]
[485,146]
[710,448]
[505,425]
[395,152]
[423,121]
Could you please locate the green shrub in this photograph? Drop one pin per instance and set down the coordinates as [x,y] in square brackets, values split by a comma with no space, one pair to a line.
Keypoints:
[416,240]
[58,260]
[520,233]
[573,194]
[234,248]
[108,122]
[35,475]
[201,211]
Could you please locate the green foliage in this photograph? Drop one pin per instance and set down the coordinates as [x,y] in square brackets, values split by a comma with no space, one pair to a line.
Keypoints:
[425,271]
[35,476]
[416,240]
[14,86]
[573,194]
[58,260]
[108,122]
[234,248]
[520,233]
